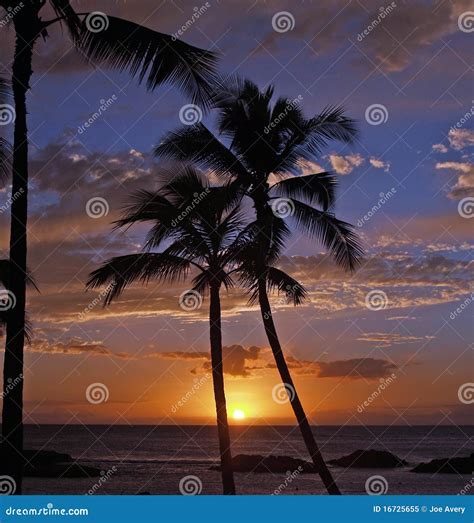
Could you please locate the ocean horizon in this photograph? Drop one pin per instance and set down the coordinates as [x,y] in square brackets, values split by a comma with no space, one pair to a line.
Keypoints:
[154,459]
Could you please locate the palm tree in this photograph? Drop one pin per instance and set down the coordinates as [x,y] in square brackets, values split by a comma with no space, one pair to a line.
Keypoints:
[205,236]
[120,44]
[262,139]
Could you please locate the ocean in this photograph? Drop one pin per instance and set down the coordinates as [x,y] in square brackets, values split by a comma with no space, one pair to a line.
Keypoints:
[155,459]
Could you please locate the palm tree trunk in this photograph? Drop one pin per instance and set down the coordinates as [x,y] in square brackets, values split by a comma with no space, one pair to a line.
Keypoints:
[219,392]
[285,375]
[12,414]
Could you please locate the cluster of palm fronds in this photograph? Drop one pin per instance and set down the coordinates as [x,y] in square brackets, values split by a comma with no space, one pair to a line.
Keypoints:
[219,240]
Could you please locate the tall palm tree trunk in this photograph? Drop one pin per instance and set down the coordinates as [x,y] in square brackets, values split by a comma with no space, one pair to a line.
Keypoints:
[219,392]
[287,380]
[12,415]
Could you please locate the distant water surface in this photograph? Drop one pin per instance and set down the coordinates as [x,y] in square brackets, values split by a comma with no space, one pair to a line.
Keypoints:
[155,458]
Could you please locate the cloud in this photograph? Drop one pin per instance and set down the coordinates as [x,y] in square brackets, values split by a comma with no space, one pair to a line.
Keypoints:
[74,347]
[345,164]
[355,368]
[459,139]
[379,164]
[387,339]
[439,148]
[464,185]
[235,360]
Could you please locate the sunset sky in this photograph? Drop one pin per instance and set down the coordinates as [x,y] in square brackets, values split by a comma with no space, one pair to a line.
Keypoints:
[145,348]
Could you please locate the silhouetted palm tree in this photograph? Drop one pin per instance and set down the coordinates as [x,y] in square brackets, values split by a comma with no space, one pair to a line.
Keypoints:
[204,236]
[120,44]
[264,139]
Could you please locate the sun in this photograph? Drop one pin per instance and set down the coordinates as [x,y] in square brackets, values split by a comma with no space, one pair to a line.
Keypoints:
[238,414]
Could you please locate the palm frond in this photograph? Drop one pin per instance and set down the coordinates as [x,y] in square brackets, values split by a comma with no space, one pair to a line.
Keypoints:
[158,57]
[283,283]
[313,188]
[66,13]
[197,144]
[336,235]
[121,271]
[5,275]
